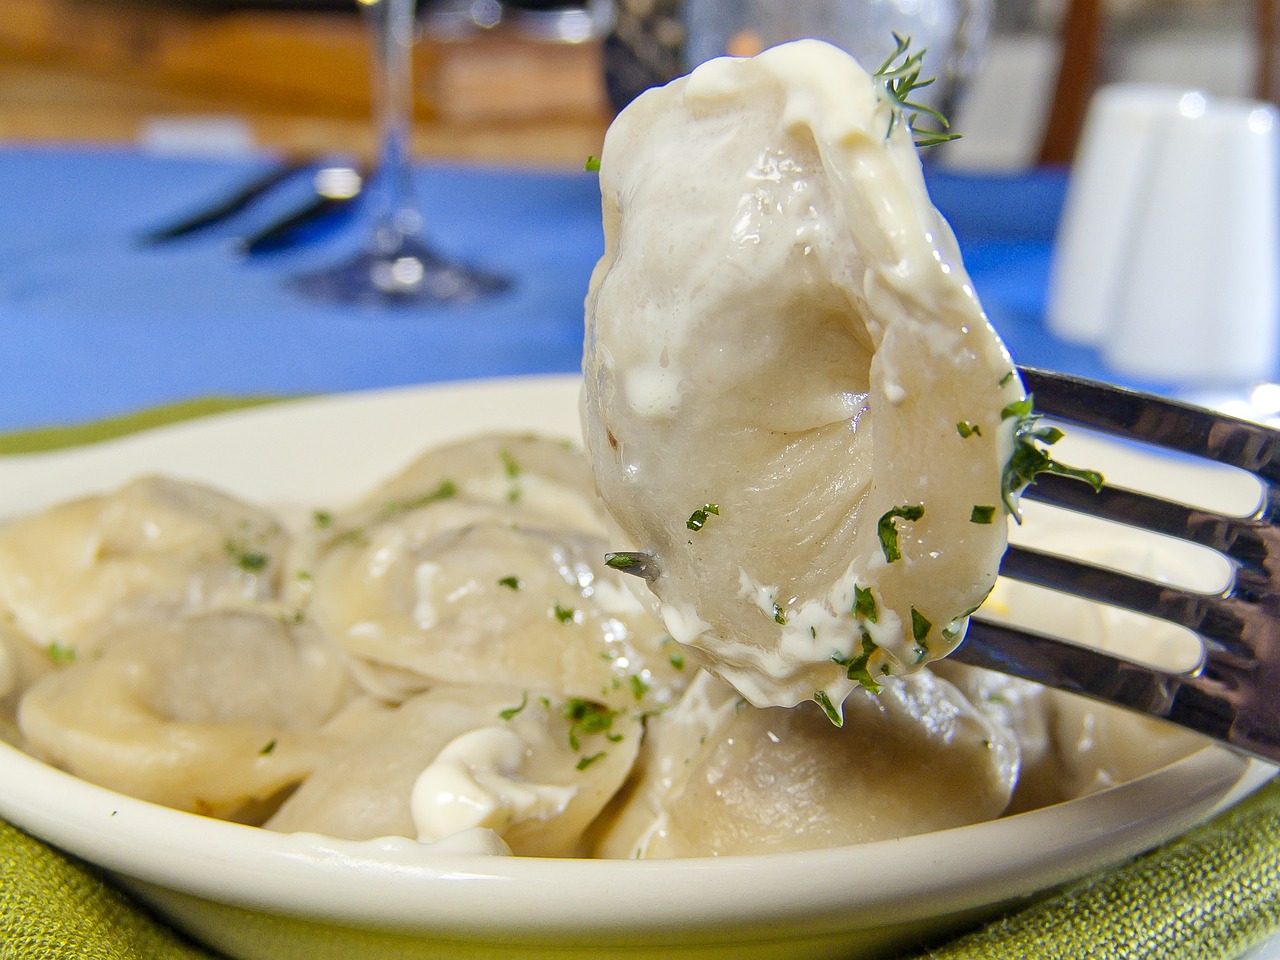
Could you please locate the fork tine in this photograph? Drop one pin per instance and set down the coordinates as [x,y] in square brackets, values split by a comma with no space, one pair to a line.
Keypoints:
[1240,538]
[1180,698]
[1156,420]
[1219,619]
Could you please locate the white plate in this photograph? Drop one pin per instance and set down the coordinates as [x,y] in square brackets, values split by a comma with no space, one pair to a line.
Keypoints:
[259,895]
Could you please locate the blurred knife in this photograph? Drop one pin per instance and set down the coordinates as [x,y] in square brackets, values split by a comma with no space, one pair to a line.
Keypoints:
[229,206]
[337,188]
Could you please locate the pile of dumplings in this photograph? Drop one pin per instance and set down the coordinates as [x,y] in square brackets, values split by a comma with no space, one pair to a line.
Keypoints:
[452,653]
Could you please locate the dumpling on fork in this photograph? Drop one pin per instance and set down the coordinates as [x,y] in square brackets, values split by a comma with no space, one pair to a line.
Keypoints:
[793,400]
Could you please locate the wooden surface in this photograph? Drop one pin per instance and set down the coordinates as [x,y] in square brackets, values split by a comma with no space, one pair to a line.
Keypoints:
[104,70]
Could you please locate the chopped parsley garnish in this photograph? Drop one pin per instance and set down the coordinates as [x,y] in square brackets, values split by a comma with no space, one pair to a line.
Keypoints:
[821,699]
[899,78]
[638,686]
[511,583]
[889,532]
[677,661]
[779,616]
[1029,460]
[60,654]
[698,518]
[920,626]
[445,491]
[593,163]
[864,604]
[982,513]
[967,429]
[586,718]
[511,712]
[512,469]
[355,536]
[1006,379]
[585,762]
[857,667]
[509,464]
[564,614]
[322,519]
[624,561]
[246,558]
[268,747]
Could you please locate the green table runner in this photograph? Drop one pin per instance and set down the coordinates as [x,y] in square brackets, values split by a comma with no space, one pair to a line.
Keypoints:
[1210,895]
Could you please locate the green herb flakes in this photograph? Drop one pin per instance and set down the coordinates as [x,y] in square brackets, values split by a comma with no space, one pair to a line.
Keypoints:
[638,686]
[511,583]
[585,762]
[627,562]
[593,164]
[394,508]
[245,557]
[564,614]
[1029,460]
[920,626]
[833,714]
[586,718]
[967,429]
[59,653]
[983,513]
[899,78]
[268,748]
[511,713]
[698,518]
[779,616]
[864,604]
[677,661]
[889,532]
[322,519]
[857,667]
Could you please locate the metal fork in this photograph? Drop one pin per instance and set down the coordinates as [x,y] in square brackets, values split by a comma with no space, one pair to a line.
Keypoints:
[1233,694]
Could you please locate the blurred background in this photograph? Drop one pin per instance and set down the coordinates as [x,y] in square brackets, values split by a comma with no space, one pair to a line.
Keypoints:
[232,75]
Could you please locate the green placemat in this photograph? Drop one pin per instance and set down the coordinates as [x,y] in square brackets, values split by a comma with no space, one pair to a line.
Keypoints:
[54,438]
[1210,895]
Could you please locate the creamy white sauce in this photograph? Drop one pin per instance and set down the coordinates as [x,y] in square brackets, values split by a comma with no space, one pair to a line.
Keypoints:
[474,782]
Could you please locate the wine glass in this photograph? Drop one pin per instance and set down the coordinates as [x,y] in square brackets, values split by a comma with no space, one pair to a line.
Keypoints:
[398,266]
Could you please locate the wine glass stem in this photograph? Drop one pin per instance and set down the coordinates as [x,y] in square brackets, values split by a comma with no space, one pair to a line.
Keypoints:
[392,24]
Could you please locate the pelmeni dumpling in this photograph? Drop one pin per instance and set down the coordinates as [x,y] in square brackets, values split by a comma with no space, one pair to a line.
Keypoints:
[535,770]
[792,396]
[156,547]
[548,480]
[1024,708]
[457,591]
[22,663]
[718,776]
[214,712]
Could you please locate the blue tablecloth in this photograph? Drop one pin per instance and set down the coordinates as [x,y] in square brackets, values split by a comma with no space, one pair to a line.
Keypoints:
[94,324]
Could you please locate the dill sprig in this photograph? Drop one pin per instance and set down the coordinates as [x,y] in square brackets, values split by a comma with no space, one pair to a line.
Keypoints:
[899,76]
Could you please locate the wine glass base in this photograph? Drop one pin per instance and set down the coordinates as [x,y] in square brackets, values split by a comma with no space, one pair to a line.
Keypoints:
[412,275]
